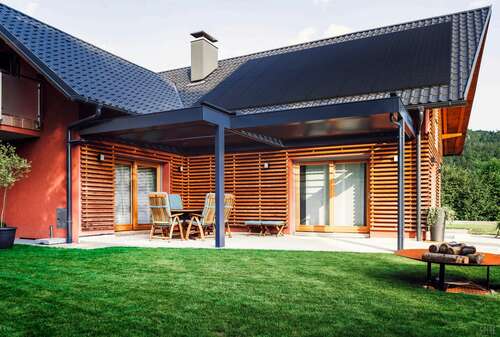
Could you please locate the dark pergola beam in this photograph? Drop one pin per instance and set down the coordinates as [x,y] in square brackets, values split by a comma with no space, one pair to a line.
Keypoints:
[325,112]
[155,120]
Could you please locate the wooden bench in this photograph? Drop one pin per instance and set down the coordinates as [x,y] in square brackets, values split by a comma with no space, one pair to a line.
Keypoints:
[265,226]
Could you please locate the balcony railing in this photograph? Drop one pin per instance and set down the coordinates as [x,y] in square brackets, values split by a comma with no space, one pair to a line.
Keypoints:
[20,102]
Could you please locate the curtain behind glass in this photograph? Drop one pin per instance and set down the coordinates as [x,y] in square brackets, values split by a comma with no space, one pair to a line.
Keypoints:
[314,205]
[349,201]
[123,195]
[146,183]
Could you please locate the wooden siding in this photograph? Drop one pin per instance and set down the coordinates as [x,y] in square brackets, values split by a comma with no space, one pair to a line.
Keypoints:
[97,180]
[263,193]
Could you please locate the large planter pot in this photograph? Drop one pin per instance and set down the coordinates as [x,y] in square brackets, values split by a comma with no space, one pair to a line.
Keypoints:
[437,229]
[7,236]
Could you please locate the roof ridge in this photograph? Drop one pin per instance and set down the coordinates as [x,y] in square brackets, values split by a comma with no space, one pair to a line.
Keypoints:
[79,39]
[337,37]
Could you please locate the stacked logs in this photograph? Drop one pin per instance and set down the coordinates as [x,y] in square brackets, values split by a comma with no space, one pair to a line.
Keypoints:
[453,252]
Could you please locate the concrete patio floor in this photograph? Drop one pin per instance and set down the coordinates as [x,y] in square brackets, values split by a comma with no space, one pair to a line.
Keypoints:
[300,242]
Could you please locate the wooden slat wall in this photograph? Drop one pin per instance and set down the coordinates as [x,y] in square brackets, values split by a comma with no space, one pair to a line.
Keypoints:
[263,193]
[97,180]
[260,193]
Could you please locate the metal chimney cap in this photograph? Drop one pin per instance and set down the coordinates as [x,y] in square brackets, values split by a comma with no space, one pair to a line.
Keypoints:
[204,34]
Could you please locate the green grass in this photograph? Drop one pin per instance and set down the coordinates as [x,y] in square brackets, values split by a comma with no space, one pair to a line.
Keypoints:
[189,292]
[480,229]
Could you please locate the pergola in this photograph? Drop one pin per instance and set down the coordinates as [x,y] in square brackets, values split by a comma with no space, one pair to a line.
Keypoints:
[206,128]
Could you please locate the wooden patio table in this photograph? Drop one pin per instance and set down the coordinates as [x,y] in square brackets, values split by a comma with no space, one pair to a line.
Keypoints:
[490,260]
[191,210]
[187,213]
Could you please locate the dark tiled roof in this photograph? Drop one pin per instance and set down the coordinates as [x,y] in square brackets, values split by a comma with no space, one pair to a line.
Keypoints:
[467,29]
[84,71]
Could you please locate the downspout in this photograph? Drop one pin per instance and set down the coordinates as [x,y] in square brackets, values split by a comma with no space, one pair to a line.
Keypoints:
[69,185]
[419,172]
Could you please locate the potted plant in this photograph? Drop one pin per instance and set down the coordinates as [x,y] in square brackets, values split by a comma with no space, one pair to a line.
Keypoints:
[436,219]
[12,169]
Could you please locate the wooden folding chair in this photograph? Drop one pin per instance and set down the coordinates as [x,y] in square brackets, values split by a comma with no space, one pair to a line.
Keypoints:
[162,217]
[205,222]
[229,201]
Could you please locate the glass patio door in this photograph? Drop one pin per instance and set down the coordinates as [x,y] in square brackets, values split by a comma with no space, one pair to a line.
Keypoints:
[330,196]
[349,199]
[146,183]
[314,195]
[123,196]
[133,183]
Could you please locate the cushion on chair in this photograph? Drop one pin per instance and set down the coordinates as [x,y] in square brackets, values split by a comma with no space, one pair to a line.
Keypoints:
[175,201]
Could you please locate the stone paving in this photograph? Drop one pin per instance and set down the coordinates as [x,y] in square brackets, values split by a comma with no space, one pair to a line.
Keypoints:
[304,242]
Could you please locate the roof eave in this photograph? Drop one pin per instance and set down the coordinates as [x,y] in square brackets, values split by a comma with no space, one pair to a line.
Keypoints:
[477,53]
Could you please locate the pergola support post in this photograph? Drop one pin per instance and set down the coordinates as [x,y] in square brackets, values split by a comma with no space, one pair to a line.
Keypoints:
[418,142]
[401,182]
[219,187]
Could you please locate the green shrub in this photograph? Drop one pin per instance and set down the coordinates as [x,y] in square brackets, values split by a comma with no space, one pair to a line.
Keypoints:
[432,214]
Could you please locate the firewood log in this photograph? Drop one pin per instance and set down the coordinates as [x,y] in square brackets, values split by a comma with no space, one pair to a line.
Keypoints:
[452,248]
[466,250]
[445,258]
[433,248]
[476,258]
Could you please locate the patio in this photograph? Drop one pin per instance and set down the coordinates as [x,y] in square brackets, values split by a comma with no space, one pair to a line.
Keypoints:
[206,129]
[300,242]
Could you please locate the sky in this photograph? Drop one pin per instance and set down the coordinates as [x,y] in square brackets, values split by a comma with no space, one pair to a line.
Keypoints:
[155,33]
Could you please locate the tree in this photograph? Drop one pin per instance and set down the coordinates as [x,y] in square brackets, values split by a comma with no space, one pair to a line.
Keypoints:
[12,169]
[471,182]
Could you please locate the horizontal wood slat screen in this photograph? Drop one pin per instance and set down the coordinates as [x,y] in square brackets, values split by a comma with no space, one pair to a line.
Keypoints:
[97,179]
[262,193]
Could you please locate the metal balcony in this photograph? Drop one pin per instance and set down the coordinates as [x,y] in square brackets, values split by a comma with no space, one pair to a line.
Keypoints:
[20,107]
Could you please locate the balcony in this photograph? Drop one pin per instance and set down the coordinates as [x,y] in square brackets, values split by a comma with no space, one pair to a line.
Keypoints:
[19,107]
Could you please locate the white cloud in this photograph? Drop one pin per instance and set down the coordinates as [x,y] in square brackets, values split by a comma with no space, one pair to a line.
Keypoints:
[321,2]
[479,3]
[336,30]
[312,33]
[31,7]
[306,34]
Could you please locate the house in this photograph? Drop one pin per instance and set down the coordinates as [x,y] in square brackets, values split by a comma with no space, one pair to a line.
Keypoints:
[310,134]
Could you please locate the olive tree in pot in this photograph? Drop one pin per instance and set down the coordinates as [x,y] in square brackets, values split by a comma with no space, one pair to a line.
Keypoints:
[12,169]
[436,219]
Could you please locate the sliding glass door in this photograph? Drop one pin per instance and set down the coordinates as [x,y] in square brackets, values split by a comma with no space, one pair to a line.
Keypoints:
[133,183]
[146,183]
[349,198]
[314,195]
[331,196]
[123,196]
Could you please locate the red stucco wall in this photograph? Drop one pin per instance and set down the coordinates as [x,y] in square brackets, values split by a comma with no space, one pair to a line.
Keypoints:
[32,202]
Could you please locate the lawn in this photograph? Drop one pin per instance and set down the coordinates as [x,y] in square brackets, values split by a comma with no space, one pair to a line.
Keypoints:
[190,292]
[475,228]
